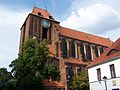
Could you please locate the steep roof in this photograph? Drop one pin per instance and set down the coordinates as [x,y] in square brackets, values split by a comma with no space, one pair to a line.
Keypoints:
[44,13]
[85,36]
[111,52]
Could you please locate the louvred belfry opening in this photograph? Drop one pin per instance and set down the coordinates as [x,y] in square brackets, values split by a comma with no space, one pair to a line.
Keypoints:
[44,33]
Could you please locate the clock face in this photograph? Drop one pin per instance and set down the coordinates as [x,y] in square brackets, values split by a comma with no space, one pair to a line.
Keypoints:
[45,23]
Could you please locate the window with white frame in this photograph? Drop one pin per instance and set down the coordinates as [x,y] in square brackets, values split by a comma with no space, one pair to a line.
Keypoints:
[99,74]
[112,71]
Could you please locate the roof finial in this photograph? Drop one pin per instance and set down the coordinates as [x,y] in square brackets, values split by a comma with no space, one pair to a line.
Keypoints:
[46,8]
[34,4]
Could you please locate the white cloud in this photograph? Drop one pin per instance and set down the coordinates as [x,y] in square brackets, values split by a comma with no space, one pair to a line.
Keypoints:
[10,23]
[112,34]
[100,19]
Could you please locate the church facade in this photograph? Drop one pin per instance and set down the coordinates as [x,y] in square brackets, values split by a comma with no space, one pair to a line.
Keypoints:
[70,50]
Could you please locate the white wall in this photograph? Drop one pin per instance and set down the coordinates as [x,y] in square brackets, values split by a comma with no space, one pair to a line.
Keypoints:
[105,71]
[101,85]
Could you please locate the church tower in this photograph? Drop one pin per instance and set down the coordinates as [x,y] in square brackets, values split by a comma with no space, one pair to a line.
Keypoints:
[41,25]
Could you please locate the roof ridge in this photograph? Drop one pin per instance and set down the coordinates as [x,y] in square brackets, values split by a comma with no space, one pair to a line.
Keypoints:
[87,33]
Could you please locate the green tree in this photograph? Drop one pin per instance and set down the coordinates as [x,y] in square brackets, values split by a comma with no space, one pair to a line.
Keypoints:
[51,72]
[80,81]
[5,76]
[29,68]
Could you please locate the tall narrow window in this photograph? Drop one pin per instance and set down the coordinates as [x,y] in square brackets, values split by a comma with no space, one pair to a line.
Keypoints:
[99,74]
[101,50]
[82,52]
[23,39]
[64,48]
[112,71]
[72,49]
[70,72]
[57,47]
[96,51]
[67,74]
[88,52]
[44,33]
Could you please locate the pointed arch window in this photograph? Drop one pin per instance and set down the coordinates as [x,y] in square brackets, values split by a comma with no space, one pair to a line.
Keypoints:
[96,51]
[44,33]
[88,52]
[72,49]
[64,48]
[82,52]
[101,50]
[112,51]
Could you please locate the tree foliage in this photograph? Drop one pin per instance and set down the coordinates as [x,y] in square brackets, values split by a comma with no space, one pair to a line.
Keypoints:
[51,72]
[31,60]
[80,81]
[30,67]
[5,76]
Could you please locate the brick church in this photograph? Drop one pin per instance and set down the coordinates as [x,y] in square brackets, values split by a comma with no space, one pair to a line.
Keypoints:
[70,50]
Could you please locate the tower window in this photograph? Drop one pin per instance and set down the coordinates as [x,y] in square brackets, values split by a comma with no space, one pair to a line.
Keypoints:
[39,13]
[57,53]
[50,17]
[44,33]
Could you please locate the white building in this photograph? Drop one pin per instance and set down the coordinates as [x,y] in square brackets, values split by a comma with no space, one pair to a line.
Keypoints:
[104,72]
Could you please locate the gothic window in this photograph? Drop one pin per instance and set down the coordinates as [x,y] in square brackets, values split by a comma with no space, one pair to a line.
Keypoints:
[112,51]
[112,71]
[23,34]
[70,72]
[44,33]
[88,52]
[101,50]
[96,51]
[64,48]
[57,49]
[82,52]
[72,49]
[99,74]
[67,76]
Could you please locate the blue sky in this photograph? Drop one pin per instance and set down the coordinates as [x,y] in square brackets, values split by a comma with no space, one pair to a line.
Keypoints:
[56,7]
[99,17]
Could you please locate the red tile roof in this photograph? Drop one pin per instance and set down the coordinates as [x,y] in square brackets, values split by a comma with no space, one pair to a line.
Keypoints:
[109,53]
[85,36]
[48,83]
[43,12]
